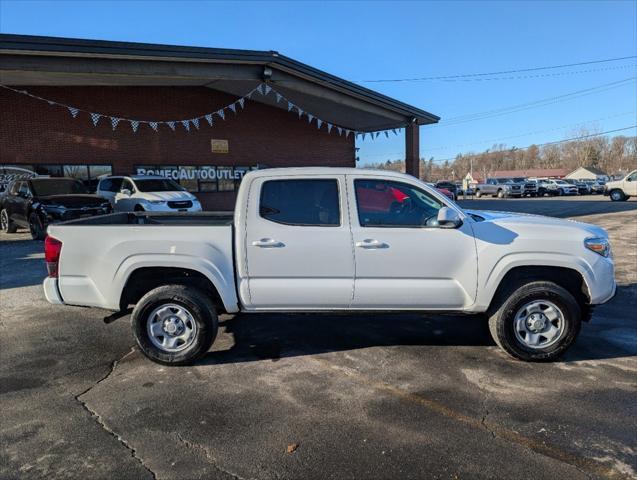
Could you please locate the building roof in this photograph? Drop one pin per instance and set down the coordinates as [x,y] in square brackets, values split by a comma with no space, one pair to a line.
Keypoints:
[593,170]
[35,60]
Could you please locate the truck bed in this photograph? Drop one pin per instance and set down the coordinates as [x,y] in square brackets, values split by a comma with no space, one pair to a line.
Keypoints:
[159,218]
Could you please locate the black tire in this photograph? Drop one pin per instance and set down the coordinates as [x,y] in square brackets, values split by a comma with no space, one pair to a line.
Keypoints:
[500,194]
[617,195]
[37,228]
[501,320]
[200,307]
[6,224]
[478,193]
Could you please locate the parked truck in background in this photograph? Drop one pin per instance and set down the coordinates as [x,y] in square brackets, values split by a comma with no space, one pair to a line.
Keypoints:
[329,239]
[499,187]
[623,189]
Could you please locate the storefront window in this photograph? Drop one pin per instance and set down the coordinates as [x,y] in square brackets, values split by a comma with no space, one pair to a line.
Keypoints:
[197,178]
[225,179]
[50,170]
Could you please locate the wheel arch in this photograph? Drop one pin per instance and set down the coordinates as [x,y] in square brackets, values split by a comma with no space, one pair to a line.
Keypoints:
[569,278]
[144,279]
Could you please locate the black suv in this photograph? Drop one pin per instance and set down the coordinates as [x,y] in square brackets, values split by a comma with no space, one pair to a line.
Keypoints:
[35,203]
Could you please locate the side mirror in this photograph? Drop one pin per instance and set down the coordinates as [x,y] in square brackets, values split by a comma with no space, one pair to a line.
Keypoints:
[448,218]
[126,192]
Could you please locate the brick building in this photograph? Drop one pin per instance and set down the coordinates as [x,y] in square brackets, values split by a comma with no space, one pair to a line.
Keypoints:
[161,83]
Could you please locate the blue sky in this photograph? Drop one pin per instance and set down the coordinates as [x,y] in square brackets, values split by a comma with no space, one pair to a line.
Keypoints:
[378,40]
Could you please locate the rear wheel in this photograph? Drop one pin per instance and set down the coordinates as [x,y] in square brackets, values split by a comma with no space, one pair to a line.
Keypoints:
[500,194]
[6,225]
[36,227]
[538,322]
[174,324]
[617,195]
[478,193]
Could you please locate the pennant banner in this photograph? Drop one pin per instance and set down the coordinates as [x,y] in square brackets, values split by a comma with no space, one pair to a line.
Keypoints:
[263,89]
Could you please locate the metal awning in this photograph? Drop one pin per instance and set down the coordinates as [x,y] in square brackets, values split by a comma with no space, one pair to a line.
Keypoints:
[32,60]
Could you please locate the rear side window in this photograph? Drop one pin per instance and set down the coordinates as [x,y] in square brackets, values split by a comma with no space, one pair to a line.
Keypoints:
[301,202]
[111,184]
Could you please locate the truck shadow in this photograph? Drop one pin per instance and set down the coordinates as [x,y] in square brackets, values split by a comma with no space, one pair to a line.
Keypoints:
[273,336]
[21,263]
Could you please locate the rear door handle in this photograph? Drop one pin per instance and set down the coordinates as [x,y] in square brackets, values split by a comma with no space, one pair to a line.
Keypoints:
[371,243]
[268,243]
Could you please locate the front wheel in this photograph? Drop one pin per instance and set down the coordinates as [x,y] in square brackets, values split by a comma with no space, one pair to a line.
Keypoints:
[478,193]
[37,228]
[617,196]
[6,225]
[174,324]
[538,322]
[500,194]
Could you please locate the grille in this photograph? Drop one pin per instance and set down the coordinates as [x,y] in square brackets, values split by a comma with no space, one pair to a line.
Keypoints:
[182,204]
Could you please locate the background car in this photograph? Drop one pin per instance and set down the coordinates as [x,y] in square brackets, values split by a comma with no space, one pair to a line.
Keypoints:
[499,187]
[449,186]
[623,189]
[37,202]
[145,193]
[595,186]
[582,187]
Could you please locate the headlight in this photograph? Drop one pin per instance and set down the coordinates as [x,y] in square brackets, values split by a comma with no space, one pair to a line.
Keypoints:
[156,202]
[598,245]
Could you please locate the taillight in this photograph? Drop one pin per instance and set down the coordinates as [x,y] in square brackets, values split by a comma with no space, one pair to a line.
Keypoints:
[52,249]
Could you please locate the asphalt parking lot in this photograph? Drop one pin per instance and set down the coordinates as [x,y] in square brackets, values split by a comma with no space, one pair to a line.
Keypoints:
[318,396]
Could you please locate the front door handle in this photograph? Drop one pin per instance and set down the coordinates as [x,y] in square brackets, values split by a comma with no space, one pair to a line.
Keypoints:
[371,243]
[268,243]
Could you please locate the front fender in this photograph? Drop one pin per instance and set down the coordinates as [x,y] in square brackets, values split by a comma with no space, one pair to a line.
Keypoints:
[490,278]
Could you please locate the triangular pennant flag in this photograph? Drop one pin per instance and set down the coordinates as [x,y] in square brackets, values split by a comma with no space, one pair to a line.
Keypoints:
[209,118]
[347,132]
[50,102]
[74,111]
[364,136]
[329,127]
[153,125]
[290,106]
[386,134]
[195,122]
[186,124]
[221,113]
[278,97]
[241,102]
[134,125]
[233,107]
[394,130]
[260,89]
[319,122]
[310,117]
[300,112]
[96,118]
[114,122]
[268,88]
[171,125]
[340,131]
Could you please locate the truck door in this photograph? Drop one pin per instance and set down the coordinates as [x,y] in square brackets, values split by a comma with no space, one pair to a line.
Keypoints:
[403,260]
[630,184]
[298,244]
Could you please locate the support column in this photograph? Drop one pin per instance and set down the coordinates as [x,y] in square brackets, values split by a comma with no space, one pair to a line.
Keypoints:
[412,149]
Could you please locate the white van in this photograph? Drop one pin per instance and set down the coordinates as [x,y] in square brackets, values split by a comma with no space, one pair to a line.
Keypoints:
[145,193]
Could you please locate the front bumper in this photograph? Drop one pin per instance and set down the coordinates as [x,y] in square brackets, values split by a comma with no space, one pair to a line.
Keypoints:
[51,291]
[163,207]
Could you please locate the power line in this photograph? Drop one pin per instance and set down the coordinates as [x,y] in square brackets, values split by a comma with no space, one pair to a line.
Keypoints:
[573,125]
[501,72]
[470,117]
[581,137]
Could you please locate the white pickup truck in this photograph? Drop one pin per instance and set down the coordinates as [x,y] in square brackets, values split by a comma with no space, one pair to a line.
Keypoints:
[328,239]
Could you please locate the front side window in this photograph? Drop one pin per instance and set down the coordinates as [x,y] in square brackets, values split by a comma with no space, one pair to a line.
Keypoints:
[385,203]
[633,177]
[301,202]
[127,185]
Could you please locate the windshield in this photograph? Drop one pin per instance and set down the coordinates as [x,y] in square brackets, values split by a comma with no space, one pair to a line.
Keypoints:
[504,180]
[561,182]
[158,185]
[519,179]
[58,186]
